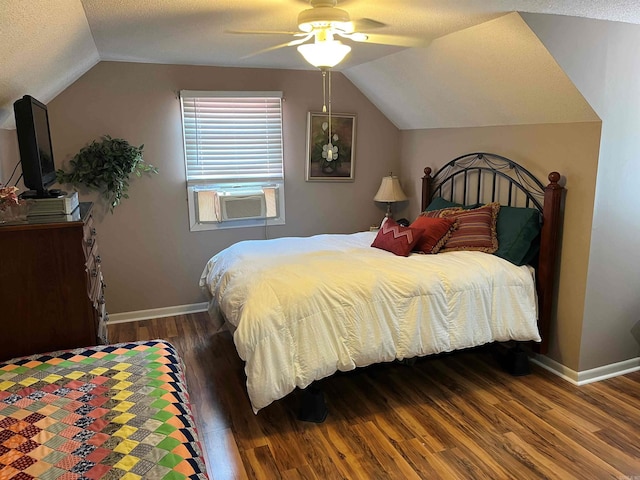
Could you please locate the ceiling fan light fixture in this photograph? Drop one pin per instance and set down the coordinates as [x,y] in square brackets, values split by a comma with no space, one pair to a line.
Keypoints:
[324,54]
[323,17]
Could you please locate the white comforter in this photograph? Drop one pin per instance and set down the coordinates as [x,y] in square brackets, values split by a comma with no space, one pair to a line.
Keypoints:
[303,308]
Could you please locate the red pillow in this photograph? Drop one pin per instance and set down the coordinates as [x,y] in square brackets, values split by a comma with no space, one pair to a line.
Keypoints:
[396,239]
[435,233]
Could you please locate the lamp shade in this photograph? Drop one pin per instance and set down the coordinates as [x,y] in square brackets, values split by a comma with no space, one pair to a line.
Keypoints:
[390,191]
[325,54]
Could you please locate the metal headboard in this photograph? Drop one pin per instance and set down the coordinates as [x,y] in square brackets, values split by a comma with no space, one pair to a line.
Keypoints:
[483,178]
[487,177]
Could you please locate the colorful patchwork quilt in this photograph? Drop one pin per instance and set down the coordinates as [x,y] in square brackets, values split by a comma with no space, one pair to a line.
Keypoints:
[106,412]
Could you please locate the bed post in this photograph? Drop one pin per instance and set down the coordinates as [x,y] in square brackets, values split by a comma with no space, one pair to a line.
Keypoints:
[549,247]
[426,188]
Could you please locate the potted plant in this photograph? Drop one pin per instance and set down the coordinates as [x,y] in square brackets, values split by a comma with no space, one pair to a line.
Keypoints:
[105,166]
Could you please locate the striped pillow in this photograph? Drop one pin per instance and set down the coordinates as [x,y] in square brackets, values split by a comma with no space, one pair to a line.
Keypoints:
[476,228]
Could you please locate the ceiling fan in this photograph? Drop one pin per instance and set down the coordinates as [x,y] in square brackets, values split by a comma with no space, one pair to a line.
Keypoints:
[322,23]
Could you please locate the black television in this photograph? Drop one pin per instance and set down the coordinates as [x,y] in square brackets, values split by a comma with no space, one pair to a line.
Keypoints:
[36,152]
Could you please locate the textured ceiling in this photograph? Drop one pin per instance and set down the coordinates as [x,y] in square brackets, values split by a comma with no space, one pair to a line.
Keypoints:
[193,31]
[496,73]
[45,45]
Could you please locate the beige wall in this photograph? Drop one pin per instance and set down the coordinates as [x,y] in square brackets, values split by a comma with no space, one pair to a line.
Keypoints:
[8,155]
[572,150]
[601,59]
[150,259]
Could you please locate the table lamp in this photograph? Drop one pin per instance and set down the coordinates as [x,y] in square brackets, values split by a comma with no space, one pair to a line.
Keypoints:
[390,192]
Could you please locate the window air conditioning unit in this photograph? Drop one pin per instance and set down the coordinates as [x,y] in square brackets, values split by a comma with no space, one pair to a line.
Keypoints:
[224,205]
[242,207]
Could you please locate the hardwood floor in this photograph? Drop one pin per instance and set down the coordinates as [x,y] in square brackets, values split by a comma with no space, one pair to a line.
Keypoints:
[451,417]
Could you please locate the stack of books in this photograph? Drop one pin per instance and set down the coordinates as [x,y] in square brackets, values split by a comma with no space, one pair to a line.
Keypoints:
[64,207]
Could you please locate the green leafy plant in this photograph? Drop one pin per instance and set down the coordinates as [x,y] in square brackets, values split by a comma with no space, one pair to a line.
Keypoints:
[105,166]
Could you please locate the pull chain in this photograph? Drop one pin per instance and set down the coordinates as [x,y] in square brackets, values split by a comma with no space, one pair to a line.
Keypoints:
[330,109]
[324,91]
[328,149]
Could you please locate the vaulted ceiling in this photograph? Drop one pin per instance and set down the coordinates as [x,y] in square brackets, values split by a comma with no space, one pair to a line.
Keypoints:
[476,52]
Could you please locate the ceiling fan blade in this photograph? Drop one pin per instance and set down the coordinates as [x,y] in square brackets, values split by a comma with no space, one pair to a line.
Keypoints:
[364,24]
[263,32]
[281,45]
[300,40]
[395,40]
[264,50]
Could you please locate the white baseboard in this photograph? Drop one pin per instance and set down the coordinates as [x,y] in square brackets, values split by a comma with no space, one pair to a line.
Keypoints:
[587,376]
[138,315]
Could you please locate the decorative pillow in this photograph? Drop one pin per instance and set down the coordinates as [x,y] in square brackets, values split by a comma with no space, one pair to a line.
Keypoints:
[396,239]
[435,233]
[476,228]
[517,230]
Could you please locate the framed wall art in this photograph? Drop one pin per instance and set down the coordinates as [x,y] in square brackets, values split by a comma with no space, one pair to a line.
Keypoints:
[331,148]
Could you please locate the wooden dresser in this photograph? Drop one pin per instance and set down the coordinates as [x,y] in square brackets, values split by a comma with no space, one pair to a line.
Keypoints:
[51,286]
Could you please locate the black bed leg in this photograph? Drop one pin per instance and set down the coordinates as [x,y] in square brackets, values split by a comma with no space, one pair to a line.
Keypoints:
[517,361]
[312,407]
[513,359]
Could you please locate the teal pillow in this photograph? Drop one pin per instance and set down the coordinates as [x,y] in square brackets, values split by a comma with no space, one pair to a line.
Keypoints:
[439,203]
[517,229]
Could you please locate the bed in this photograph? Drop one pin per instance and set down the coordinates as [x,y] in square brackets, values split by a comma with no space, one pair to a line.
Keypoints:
[110,411]
[301,309]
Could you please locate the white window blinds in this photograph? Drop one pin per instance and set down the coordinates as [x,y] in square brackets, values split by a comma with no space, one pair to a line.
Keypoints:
[232,136]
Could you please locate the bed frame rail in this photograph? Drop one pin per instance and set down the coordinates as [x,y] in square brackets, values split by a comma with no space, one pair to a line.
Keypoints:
[478,178]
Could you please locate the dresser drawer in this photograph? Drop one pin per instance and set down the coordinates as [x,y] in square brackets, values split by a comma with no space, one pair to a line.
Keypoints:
[93,272]
[103,320]
[89,237]
[95,286]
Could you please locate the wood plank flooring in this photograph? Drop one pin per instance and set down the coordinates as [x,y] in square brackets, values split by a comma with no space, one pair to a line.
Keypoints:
[449,417]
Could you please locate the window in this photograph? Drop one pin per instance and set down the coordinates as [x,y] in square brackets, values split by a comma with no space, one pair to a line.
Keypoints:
[234,160]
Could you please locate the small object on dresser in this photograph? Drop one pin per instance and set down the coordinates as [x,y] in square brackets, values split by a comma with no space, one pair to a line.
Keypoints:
[64,205]
[12,207]
[56,217]
[14,213]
